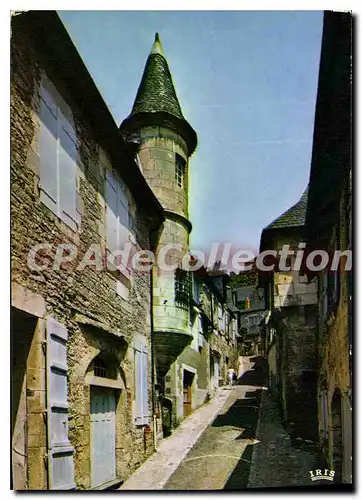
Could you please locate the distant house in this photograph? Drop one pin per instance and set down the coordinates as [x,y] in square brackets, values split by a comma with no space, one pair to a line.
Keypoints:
[290,327]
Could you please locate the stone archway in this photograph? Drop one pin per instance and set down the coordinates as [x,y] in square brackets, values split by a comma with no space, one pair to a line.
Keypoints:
[337,435]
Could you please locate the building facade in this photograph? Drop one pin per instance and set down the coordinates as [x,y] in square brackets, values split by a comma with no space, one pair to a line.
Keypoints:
[329,229]
[107,356]
[290,337]
[81,339]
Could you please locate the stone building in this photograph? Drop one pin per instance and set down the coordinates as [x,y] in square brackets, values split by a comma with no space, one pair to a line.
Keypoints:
[290,346]
[250,311]
[81,333]
[165,142]
[100,348]
[219,325]
[329,229]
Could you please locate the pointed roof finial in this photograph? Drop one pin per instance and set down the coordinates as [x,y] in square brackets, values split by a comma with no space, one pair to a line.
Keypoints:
[157,46]
[156,100]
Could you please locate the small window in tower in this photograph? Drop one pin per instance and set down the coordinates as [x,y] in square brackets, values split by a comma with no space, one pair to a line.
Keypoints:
[180,166]
[183,291]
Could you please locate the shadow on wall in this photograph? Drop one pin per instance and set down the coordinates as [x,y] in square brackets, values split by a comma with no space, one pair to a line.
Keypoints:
[256,376]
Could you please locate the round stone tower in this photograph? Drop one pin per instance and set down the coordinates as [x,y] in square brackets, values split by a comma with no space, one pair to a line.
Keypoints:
[166,142]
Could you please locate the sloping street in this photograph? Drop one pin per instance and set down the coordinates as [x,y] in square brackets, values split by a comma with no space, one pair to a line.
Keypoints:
[244,445]
[221,458]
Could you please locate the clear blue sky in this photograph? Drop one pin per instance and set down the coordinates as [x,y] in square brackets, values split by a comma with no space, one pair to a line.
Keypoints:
[246,82]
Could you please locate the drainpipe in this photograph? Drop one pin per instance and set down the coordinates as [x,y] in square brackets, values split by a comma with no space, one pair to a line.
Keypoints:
[153,363]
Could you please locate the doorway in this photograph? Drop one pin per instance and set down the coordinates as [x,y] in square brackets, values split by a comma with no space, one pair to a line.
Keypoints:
[187,392]
[23,328]
[103,435]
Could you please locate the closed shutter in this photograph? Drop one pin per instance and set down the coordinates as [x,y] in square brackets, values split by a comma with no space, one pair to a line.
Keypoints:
[141,384]
[67,167]
[112,212]
[60,450]
[58,158]
[48,147]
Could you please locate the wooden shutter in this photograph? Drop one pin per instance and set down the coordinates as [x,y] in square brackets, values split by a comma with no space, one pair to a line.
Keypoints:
[112,212]
[60,450]
[67,162]
[141,384]
[123,205]
[48,147]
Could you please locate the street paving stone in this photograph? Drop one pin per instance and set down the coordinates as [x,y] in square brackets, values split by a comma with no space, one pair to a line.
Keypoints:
[276,461]
[156,470]
[234,442]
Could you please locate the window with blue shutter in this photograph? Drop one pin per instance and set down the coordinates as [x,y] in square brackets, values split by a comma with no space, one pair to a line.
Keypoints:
[117,217]
[141,383]
[58,159]
[60,450]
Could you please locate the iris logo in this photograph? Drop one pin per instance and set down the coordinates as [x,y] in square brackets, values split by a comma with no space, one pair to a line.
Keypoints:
[318,475]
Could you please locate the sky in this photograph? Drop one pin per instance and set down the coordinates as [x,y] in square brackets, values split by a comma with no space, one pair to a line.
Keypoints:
[246,82]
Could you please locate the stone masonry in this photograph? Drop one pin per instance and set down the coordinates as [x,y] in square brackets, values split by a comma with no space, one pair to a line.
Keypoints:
[100,314]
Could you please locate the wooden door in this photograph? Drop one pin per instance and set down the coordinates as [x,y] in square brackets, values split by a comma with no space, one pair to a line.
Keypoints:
[103,436]
[187,392]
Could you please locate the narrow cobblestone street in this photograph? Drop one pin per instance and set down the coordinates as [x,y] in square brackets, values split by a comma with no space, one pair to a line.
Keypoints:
[242,446]
[277,461]
[221,457]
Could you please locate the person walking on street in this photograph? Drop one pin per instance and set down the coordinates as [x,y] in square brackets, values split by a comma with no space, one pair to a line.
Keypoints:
[231,376]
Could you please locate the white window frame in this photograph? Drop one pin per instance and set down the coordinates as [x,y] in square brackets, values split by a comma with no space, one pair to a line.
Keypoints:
[52,102]
[180,168]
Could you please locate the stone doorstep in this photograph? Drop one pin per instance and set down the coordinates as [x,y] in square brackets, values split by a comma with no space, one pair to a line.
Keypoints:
[107,486]
[171,450]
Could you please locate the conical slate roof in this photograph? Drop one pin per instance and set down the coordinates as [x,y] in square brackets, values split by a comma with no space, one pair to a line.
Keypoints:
[156,91]
[294,216]
[156,101]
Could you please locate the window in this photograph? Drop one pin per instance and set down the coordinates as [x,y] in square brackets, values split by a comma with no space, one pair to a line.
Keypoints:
[253,320]
[117,214]
[99,368]
[182,287]
[220,316]
[141,383]
[196,288]
[180,166]
[58,159]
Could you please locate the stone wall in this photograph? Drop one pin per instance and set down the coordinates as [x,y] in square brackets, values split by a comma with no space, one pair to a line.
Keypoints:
[295,319]
[334,369]
[298,370]
[68,292]
[157,155]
